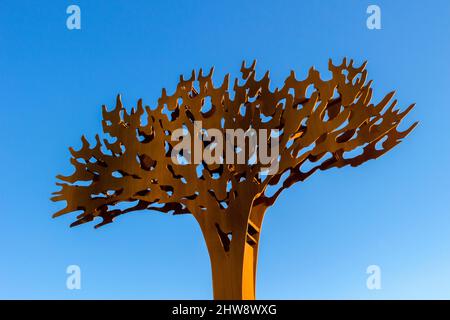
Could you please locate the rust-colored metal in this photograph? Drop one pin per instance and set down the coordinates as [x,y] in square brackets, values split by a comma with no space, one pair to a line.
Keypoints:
[228,201]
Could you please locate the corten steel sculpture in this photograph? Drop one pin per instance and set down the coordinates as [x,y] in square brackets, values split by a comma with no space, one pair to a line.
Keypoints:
[228,201]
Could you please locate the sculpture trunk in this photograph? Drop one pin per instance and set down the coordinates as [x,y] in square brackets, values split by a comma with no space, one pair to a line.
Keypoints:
[234,257]
[234,272]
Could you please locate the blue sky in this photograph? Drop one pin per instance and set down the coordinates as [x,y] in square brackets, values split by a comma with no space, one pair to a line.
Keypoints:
[320,236]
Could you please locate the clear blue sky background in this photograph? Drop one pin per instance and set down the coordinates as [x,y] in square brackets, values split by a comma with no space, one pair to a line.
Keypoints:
[320,236]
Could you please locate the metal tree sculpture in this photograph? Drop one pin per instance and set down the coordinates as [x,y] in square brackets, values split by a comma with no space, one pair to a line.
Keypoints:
[228,200]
